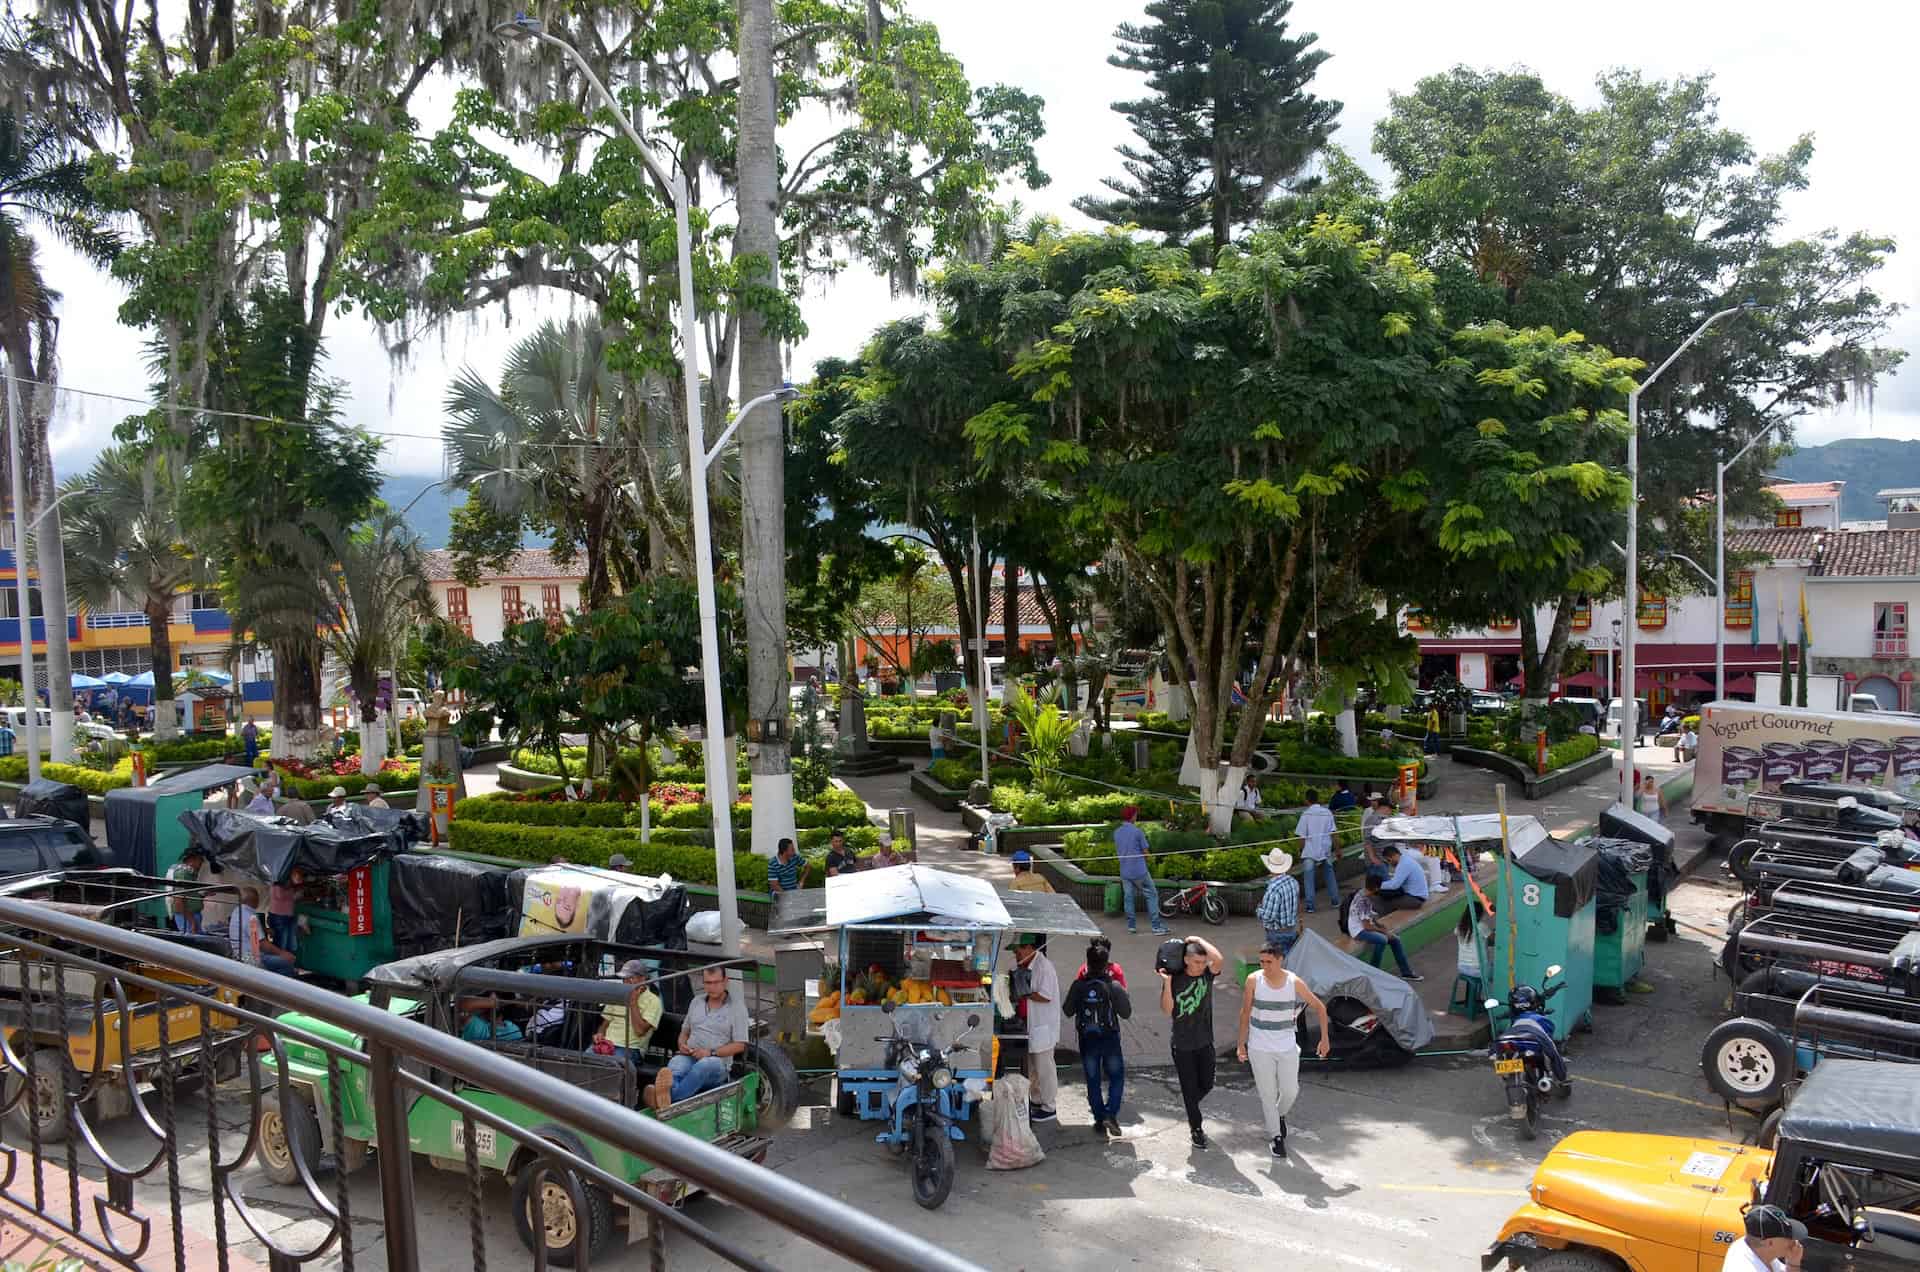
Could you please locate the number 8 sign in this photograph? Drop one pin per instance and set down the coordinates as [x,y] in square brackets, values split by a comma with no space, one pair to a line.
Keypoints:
[1530,895]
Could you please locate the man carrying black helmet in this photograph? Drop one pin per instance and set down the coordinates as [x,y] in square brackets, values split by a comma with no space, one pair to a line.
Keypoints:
[1186,995]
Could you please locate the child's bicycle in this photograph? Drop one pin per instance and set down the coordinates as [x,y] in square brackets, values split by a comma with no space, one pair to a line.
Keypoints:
[1200,896]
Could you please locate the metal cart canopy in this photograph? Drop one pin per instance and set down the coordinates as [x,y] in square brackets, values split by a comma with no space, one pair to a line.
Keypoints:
[869,896]
[1523,829]
[1857,1104]
[1054,913]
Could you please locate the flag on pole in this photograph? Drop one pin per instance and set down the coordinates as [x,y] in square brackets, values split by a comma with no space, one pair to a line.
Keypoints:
[1806,634]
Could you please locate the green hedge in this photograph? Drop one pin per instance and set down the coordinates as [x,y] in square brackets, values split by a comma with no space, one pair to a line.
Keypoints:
[1572,751]
[501,810]
[834,808]
[689,859]
[13,768]
[692,771]
[1194,854]
[185,750]
[401,779]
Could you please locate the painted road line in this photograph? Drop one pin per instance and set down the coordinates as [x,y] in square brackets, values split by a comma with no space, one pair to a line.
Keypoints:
[1657,1095]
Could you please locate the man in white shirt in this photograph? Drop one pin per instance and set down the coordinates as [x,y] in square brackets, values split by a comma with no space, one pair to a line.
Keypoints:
[1772,1243]
[1043,1024]
[1315,829]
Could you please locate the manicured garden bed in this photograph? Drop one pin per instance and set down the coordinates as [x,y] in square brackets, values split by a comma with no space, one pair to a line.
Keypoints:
[1570,763]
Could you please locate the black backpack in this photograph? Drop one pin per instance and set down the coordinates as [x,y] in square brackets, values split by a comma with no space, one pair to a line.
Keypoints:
[1096,1006]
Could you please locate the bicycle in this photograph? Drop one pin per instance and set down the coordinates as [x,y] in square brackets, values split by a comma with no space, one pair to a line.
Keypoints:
[1200,896]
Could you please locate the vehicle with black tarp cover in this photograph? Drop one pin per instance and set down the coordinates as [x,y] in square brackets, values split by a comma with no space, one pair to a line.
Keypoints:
[46,798]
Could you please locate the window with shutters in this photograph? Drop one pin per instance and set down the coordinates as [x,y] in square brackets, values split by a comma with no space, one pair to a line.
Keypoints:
[1582,614]
[457,610]
[1787,519]
[1890,629]
[1740,600]
[510,607]
[1652,614]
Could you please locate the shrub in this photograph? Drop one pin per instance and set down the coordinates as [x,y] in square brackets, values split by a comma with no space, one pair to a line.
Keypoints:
[688,861]
[400,778]
[955,775]
[501,810]
[1572,751]
[13,768]
[185,750]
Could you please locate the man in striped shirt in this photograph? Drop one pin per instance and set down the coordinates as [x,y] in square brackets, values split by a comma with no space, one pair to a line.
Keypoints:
[1269,1039]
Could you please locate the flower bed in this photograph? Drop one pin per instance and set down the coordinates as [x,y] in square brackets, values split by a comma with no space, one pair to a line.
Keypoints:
[309,783]
[686,855]
[548,807]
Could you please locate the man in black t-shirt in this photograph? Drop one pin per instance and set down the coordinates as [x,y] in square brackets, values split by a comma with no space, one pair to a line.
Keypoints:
[1187,996]
[840,858]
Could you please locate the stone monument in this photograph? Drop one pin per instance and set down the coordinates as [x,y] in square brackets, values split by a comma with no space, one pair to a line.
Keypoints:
[440,754]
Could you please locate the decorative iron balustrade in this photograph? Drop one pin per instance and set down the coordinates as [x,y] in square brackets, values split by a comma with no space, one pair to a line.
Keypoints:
[74,994]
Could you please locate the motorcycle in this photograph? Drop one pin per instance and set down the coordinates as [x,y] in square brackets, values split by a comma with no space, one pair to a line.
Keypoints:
[924,1107]
[1519,1053]
[1199,896]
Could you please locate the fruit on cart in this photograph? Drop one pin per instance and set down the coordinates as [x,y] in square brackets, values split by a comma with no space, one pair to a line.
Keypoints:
[943,998]
[828,1008]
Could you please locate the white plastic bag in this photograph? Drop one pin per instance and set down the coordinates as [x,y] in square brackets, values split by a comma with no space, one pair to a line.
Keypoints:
[1014,1147]
[704,927]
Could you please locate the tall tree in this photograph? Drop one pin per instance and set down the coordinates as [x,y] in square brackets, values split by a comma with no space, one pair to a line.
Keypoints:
[42,182]
[1229,120]
[125,537]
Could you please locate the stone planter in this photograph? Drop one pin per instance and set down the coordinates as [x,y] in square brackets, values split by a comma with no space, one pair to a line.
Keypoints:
[1325,782]
[1537,785]
[944,798]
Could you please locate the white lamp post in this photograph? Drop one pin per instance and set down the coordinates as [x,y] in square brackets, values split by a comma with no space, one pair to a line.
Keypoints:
[1720,561]
[718,766]
[1629,721]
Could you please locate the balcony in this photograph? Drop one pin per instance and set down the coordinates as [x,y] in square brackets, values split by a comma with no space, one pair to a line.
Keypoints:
[1890,645]
[129,618]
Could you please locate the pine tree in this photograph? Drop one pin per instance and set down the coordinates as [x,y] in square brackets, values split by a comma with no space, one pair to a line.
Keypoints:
[1229,119]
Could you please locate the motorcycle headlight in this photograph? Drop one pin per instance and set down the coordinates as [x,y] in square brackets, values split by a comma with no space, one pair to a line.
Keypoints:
[910,1070]
[942,1078]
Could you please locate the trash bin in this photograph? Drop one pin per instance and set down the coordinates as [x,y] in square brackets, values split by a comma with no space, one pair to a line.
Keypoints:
[1550,921]
[1110,898]
[1620,915]
[1621,822]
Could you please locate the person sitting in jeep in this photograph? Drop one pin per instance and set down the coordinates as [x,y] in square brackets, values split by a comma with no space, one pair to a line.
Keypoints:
[626,1027]
[481,1021]
[714,1033]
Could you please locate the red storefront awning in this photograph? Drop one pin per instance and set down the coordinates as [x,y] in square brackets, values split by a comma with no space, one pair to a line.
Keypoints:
[1650,656]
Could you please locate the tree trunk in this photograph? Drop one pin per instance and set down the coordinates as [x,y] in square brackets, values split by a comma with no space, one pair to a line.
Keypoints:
[160,654]
[1010,614]
[1540,665]
[373,742]
[762,440]
[296,699]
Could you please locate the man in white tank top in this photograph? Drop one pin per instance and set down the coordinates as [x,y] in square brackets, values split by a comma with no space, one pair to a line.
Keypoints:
[1269,1014]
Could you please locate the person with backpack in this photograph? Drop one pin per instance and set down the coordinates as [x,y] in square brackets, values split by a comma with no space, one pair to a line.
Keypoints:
[1097,1003]
[1269,1043]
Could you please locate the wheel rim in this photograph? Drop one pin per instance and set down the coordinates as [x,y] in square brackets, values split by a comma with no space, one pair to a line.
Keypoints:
[46,1090]
[1745,1064]
[556,1216]
[273,1140]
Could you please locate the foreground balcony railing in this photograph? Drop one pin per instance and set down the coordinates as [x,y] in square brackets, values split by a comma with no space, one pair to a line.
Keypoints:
[116,1188]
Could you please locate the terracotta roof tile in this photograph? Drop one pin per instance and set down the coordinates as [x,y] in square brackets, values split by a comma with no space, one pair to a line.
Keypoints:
[1866,554]
[1807,489]
[1798,544]
[528,563]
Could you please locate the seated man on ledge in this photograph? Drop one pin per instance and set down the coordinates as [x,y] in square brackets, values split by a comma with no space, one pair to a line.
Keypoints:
[1406,883]
[714,1033]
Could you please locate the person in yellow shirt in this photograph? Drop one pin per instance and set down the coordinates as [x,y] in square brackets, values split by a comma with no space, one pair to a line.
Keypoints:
[1024,878]
[628,1026]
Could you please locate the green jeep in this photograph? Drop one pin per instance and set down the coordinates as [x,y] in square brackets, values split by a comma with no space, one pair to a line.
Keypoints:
[544,997]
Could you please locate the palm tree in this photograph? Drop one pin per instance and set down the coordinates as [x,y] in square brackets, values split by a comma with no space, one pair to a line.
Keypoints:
[369,585]
[561,447]
[43,182]
[123,538]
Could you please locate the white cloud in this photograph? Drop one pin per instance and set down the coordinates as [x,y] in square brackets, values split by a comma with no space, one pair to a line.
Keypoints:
[1843,74]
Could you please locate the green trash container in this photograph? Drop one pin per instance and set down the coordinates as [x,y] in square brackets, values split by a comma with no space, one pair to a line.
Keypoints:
[1110,901]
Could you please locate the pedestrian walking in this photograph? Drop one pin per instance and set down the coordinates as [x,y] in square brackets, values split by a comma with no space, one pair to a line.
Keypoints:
[1130,845]
[1315,829]
[250,742]
[1431,743]
[1040,990]
[1269,1043]
[1186,995]
[1279,909]
[1098,1003]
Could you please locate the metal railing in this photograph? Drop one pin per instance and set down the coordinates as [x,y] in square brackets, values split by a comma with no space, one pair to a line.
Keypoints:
[132,618]
[139,1221]
[1890,646]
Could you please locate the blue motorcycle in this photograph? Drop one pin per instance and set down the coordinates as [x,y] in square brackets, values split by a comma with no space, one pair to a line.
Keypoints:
[924,1106]
[1525,1057]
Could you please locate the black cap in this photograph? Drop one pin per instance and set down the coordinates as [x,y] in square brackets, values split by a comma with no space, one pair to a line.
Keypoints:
[1766,1222]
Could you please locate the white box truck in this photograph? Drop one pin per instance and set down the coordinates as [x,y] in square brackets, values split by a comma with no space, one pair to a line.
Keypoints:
[1824,692]
[1749,748]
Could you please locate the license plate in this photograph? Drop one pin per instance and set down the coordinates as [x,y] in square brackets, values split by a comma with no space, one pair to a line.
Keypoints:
[1509,1066]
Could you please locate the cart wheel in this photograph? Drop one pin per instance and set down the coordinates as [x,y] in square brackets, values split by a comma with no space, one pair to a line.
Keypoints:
[285,1132]
[1213,909]
[559,1224]
[1746,1060]
[52,1080]
[933,1166]
[779,1092]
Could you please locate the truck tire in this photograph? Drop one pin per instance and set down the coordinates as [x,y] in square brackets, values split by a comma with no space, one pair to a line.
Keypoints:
[1769,1133]
[1573,1261]
[288,1135]
[779,1081]
[1740,860]
[53,1078]
[1747,1061]
[559,1225]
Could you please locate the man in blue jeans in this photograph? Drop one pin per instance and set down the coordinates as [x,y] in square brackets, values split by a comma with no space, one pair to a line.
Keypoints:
[1315,829]
[714,1033]
[1363,924]
[1130,845]
[1279,910]
[1097,1004]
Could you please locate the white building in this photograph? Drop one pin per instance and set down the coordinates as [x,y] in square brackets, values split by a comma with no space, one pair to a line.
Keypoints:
[531,586]
[1861,587]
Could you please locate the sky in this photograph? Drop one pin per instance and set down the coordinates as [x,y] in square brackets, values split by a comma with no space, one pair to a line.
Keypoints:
[1842,72]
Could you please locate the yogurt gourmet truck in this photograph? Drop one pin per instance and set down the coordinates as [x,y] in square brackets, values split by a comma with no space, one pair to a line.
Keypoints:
[1749,749]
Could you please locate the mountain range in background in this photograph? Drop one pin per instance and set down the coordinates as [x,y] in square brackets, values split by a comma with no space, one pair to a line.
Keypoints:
[432,517]
[1867,464]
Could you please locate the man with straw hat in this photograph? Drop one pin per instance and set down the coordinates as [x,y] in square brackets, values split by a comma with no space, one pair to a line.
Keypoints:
[1279,910]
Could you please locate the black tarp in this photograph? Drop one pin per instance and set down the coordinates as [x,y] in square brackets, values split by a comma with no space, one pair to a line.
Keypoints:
[130,810]
[55,799]
[1572,869]
[1619,861]
[1857,1104]
[1859,864]
[661,922]
[437,900]
[1621,822]
[271,848]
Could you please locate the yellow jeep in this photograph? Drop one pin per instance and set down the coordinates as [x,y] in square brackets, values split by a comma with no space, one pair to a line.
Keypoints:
[1846,1162]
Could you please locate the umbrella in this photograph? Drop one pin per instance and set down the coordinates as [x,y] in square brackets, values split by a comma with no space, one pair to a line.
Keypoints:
[1692,683]
[83,681]
[1583,679]
[1741,684]
[122,678]
[143,681]
[201,676]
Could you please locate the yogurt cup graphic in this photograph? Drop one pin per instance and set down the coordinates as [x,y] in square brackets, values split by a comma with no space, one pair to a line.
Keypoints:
[1781,762]
[1826,761]
[1869,760]
[1906,765]
[1739,771]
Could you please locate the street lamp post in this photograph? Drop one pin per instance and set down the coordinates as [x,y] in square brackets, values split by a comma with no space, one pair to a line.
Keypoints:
[718,765]
[30,717]
[1629,713]
[1720,561]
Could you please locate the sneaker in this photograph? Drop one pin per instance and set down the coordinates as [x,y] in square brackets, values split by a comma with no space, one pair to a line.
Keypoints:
[1412,976]
[1113,1130]
[1040,1113]
[1132,930]
[1199,1138]
[1160,930]
[1100,1127]
[1279,1147]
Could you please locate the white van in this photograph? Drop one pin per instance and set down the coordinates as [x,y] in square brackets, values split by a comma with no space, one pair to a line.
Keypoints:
[16,718]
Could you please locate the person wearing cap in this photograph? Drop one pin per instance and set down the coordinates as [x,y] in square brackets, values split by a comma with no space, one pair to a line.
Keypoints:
[1042,999]
[1130,845]
[628,1026]
[338,796]
[619,862]
[887,855]
[1343,798]
[374,799]
[1098,1003]
[1772,1243]
[1279,909]
[1024,877]
[1378,810]
[1269,1043]
[186,907]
